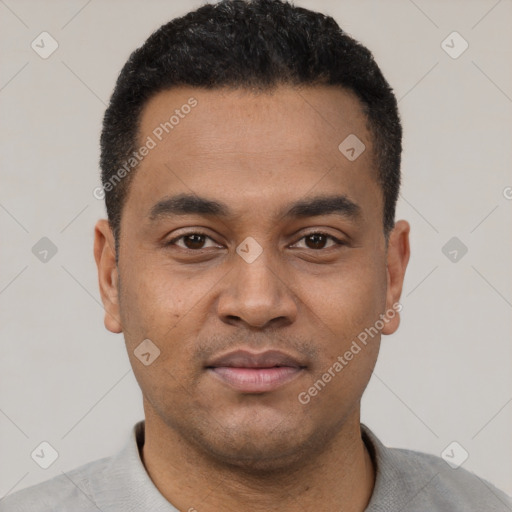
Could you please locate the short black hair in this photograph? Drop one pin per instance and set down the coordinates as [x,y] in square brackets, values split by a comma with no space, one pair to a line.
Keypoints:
[248,44]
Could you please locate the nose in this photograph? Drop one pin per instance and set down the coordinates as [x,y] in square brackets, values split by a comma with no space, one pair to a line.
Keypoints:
[258,294]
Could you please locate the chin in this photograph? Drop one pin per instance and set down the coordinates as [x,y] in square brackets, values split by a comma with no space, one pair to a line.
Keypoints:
[261,458]
[258,448]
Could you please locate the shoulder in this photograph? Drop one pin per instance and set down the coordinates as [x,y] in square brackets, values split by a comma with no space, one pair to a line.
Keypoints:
[444,486]
[412,480]
[71,490]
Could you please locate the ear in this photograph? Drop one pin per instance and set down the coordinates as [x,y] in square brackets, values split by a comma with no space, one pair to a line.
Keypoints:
[108,278]
[397,258]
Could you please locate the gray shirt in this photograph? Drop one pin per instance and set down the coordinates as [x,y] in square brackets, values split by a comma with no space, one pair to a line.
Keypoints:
[405,481]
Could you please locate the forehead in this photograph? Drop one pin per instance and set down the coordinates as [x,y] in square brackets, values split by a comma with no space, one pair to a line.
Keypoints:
[307,119]
[265,145]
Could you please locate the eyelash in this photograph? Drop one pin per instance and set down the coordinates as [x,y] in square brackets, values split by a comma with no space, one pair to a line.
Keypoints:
[337,241]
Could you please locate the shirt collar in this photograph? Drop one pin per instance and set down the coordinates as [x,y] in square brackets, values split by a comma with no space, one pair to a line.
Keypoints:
[131,489]
[397,482]
[129,486]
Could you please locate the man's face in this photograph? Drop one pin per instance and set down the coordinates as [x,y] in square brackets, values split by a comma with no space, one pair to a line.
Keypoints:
[192,284]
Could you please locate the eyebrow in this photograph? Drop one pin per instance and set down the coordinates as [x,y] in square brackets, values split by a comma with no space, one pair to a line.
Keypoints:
[190,204]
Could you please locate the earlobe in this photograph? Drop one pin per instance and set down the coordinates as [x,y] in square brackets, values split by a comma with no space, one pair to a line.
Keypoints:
[398,255]
[108,278]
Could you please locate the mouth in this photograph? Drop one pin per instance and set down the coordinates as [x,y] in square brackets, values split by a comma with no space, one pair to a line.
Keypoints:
[249,372]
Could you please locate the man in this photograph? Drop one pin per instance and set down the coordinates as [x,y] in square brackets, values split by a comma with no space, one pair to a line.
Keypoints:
[251,259]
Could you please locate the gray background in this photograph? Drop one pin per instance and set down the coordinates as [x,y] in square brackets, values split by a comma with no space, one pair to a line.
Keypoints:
[445,376]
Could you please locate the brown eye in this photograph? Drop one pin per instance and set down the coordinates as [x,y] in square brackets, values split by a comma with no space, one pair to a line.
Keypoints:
[318,241]
[194,241]
[191,241]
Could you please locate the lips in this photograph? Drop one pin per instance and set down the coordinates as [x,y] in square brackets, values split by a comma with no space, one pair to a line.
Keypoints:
[250,372]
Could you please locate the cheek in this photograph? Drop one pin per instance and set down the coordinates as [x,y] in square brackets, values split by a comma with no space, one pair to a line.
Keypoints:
[349,307]
[350,300]
[152,294]
[158,307]
[159,304]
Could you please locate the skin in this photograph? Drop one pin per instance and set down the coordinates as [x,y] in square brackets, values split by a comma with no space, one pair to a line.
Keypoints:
[207,446]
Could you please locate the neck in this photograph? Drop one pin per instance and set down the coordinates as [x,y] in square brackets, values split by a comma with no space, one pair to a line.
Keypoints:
[340,478]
